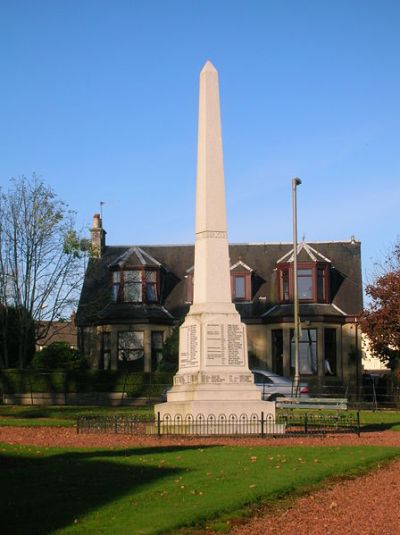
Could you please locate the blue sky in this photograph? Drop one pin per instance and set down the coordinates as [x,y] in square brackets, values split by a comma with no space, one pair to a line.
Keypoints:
[100,99]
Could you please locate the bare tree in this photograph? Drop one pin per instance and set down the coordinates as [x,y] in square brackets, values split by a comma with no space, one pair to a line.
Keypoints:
[40,260]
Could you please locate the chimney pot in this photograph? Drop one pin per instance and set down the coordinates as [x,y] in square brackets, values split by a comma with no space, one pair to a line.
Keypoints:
[97,223]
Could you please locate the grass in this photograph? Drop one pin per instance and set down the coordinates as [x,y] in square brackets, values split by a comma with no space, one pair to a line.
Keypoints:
[148,491]
[380,420]
[30,416]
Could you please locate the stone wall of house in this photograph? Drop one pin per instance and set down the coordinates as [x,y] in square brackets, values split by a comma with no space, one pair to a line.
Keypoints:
[347,365]
[102,357]
[260,346]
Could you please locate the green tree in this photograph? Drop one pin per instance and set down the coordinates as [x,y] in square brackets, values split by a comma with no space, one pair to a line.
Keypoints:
[10,319]
[59,356]
[40,262]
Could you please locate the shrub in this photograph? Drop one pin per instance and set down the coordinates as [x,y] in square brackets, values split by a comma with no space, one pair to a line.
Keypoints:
[170,353]
[59,356]
[17,337]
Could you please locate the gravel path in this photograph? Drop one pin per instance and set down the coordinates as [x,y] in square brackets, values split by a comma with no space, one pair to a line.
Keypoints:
[68,437]
[368,505]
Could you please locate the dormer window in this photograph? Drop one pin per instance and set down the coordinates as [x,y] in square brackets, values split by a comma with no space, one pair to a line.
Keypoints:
[312,275]
[241,282]
[135,277]
[135,285]
[312,282]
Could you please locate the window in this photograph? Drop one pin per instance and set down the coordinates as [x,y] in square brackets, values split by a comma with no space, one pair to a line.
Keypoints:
[106,350]
[260,378]
[135,286]
[330,352]
[116,285]
[157,338]
[151,285]
[312,282]
[307,351]
[131,350]
[305,283]
[132,285]
[241,286]
[284,279]
[277,351]
[189,288]
[322,273]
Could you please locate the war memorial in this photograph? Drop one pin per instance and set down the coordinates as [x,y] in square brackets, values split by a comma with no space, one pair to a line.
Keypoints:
[213,376]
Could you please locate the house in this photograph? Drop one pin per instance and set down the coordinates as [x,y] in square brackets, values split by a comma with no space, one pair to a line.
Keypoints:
[370,362]
[57,331]
[133,296]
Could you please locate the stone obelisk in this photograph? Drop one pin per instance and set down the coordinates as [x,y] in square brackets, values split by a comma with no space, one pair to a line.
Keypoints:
[213,376]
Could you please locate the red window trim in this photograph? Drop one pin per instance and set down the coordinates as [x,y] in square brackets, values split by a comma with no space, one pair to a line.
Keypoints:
[247,285]
[315,266]
[143,282]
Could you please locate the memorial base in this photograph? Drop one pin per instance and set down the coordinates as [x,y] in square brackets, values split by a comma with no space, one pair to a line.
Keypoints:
[215,401]
[214,381]
[216,411]
[215,408]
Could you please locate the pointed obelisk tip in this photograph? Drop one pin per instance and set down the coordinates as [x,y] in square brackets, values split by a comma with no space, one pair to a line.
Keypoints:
[208,67]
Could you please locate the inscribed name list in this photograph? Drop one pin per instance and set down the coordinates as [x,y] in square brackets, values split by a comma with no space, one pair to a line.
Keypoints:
[224,344]
[189,339]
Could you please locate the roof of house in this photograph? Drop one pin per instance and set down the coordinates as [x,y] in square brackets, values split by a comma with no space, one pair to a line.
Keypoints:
[58,331]
[175,261]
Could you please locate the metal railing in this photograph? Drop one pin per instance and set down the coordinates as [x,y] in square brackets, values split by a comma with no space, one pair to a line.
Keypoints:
[125,425]
[321,424]
[224,425]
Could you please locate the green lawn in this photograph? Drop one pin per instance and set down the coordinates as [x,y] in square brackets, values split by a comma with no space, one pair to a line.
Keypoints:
[26,415]
[66,416]
[380,420]
[158,490]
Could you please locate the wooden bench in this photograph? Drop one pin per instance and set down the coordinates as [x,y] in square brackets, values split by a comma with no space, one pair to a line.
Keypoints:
[312,403]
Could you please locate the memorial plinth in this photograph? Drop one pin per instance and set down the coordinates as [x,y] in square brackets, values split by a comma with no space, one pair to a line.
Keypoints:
[213,376]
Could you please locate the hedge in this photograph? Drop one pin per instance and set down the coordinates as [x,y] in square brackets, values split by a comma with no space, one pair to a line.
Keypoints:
[80,381]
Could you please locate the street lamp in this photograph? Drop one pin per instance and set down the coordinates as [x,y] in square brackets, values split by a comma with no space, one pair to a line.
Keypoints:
[296,383]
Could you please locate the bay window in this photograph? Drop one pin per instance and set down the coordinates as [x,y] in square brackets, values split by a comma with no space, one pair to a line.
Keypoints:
[307,351]
[131,350]
[135,285]
[312,282]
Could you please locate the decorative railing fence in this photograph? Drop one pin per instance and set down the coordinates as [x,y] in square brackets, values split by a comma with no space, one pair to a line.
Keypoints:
[321,424]
[224,425]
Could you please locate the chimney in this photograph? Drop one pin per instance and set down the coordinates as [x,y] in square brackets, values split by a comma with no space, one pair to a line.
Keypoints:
[98,236]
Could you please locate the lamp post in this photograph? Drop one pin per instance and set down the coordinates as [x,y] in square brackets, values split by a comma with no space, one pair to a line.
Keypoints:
[296,383]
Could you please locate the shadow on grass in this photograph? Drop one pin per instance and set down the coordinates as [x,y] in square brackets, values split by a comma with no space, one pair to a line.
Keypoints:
[41,494]
[380,426]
